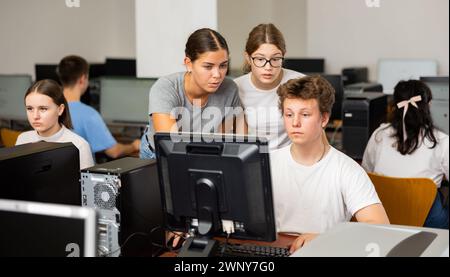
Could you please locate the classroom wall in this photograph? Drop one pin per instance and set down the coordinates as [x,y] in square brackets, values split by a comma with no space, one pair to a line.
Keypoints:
[44,31]
[237,18]
[48,30]
[160,50]
[348,33]
[162,28]
[345,32]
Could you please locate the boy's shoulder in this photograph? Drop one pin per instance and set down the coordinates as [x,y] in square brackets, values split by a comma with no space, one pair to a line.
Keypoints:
[280,154]
[81,108]
[344,165]
[342,160]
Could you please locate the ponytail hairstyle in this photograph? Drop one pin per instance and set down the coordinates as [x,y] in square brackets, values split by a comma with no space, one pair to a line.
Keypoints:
[417,121]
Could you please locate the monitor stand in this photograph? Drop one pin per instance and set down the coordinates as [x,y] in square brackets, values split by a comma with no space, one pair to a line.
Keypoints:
[199,247]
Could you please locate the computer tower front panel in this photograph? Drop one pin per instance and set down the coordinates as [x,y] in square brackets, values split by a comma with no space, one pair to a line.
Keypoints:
[101,191]
[125,193]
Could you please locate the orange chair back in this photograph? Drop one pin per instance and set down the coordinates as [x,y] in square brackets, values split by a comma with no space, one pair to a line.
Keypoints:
[9,137]
[407,201]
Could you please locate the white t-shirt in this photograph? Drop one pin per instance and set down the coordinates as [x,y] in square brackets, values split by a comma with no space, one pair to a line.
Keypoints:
[381,156]
[312,199]
[261,109]
[63,135]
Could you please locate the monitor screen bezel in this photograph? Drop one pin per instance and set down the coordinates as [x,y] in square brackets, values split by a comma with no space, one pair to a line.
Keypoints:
[88,215]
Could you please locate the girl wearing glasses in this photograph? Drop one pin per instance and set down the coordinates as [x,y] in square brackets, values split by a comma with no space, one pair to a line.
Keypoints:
[198,100]
[264,54]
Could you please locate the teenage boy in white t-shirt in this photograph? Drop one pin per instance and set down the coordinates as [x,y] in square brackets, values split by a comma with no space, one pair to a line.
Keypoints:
[316,186]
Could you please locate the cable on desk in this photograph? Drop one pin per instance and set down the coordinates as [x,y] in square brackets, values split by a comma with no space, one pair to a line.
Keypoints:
[125,242]
[222,251]
[161,247]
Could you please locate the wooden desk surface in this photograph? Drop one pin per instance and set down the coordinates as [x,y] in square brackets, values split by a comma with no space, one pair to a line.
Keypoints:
[283,240]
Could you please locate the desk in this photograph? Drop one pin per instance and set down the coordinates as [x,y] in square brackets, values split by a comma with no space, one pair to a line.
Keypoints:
[126,132]
[283,240]
[350,239]
[127,135]
[124,139]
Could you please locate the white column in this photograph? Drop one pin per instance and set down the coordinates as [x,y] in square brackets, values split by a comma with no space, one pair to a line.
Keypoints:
[162,29]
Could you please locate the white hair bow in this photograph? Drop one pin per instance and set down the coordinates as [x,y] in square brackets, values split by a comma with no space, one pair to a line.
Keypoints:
[405,104]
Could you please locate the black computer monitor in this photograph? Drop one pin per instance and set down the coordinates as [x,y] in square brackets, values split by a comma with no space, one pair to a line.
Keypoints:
[120,67]
[46,71]
[49,71]
[42,172]
[31,229]
[92,95]
[305,65]
[434,79]
[209,183]
[96,70]
[338,85]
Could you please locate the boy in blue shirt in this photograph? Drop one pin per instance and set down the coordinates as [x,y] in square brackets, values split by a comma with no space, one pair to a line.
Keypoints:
[73,72]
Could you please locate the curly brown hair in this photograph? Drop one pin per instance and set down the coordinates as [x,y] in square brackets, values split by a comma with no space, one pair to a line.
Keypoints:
[308,87]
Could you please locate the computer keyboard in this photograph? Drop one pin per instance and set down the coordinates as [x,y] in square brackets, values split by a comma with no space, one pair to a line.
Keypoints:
[250,250]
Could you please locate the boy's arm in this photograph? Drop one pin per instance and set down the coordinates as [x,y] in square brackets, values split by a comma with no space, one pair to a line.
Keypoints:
[120,149]
[373,214]
[301,240]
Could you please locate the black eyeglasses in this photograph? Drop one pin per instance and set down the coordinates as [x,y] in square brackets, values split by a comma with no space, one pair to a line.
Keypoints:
[261,62]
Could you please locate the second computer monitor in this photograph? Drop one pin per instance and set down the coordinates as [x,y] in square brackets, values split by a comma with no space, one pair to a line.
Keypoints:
[209,182]
[305,65]
[439,105]
[125,99]
[46,71]
[12,92]
[338,85]
[120,67]
[391,71]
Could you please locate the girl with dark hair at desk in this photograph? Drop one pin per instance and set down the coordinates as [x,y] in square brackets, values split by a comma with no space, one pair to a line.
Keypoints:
[410,146]
[48,114]
[198,100]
